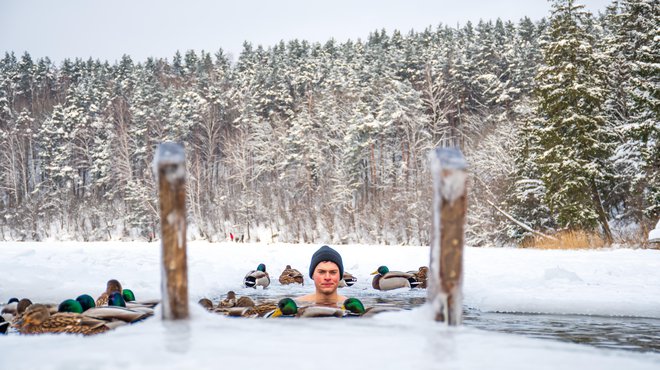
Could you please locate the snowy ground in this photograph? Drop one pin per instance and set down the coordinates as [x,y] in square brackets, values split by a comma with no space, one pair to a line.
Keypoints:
[609,282]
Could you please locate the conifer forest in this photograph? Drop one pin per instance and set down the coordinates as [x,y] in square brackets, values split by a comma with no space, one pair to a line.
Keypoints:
[559,120]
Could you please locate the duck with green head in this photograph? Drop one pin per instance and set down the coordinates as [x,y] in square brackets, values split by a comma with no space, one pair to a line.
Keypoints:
[116,299]
[355,307]
[258,277]
[388,280]
[70,305]
[287,307]
[86,301]
[128,295]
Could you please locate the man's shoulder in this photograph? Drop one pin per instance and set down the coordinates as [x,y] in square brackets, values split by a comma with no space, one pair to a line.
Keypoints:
[307,298]
[312,299]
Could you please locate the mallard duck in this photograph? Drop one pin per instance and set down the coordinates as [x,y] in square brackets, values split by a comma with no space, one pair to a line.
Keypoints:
[86,301]
[37,319]
[239,312]
[258,277]
[111,286]
[8,312]
[115,313]
[291,276]
[228,302]
[245,302]
[347,280]
[421,276]
[354,307]
[116,299]
[4,325]
[23,304]
[287,307]
[19,309]
[70,305]
[206,303]
[128,295]
[388,280]
[256,310]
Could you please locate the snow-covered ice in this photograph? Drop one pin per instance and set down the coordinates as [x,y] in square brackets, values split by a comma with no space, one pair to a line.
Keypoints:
[615,282]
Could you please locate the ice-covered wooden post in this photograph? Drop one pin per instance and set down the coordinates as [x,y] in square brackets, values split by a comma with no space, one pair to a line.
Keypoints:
[448,168]
[170,167]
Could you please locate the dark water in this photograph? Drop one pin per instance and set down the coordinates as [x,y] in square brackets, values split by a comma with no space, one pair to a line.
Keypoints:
[623,333]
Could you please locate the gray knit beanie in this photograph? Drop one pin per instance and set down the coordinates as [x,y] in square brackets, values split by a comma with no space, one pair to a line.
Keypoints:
[326,253]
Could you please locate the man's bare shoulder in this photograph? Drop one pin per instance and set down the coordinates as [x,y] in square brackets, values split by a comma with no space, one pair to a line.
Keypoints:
[313,299]
[309,298]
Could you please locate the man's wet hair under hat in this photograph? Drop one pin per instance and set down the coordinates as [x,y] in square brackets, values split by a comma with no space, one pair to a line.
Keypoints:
[323,254]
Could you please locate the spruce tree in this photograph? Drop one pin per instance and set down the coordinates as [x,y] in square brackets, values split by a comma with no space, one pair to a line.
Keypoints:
[573,139]
[637,49]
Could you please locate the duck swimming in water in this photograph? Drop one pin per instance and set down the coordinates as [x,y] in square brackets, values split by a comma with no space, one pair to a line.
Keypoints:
[291,276]
[288,307]
[388,280]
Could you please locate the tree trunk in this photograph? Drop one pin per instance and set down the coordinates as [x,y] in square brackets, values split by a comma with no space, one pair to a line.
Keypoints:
[598,204]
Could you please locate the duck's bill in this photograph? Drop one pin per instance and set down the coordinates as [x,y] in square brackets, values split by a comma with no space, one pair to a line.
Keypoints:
[276,313]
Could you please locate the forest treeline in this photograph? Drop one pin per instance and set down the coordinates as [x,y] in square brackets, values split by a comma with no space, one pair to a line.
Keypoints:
[328,142]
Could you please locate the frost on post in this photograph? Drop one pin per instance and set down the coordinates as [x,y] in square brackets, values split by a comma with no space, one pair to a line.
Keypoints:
[169,167]
[448,168]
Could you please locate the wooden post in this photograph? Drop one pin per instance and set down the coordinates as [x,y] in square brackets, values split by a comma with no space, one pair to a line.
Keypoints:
[448,168]
[170,167]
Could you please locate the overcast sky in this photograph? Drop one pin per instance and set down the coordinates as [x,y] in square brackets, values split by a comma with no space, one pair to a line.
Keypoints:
[108,29]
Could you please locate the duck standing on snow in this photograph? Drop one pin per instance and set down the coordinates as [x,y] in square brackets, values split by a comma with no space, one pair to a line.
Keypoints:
[388,280]
[291,276]
[258,277]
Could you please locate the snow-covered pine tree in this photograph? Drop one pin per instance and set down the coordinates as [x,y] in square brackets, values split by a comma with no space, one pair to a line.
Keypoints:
[635,103]
[574,142]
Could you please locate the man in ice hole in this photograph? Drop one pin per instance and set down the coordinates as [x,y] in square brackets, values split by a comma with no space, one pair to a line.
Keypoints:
[326,269]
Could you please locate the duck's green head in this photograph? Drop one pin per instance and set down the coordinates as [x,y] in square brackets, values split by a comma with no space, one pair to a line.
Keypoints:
[128,295]
[116,299]
[285,307]
[70,305]
[86,301]
[354,306]
[382,270]
[261,267]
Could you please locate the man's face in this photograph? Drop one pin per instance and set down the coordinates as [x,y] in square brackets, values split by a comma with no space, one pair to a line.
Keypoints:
[326,277]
